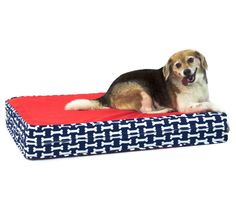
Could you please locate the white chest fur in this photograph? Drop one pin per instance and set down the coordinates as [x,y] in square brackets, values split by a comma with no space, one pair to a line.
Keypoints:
[192,94]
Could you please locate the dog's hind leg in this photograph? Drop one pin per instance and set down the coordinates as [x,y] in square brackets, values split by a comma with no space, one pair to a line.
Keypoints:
[148,107]
[146,103]
[200,108]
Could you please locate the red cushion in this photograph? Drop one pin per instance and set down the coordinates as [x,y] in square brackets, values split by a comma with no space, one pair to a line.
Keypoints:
[45,110]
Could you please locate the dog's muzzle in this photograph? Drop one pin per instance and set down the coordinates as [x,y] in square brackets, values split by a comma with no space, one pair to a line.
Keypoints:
[188,79]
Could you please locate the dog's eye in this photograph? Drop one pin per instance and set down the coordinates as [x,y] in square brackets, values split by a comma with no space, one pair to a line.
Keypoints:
[190,60]
[178,65]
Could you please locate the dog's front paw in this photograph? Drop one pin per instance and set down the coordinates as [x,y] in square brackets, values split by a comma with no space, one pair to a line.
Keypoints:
[215,108]
[200,108]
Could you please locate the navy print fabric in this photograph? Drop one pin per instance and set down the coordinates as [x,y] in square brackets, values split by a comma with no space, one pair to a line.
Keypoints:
[53,141]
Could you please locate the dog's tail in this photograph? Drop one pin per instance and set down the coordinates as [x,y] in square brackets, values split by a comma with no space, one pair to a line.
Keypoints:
[84,104]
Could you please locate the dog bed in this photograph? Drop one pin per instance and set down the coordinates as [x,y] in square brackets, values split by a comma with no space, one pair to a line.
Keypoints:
[42,129]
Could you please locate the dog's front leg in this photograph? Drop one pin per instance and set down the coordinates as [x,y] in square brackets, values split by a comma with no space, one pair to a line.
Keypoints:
[199,107]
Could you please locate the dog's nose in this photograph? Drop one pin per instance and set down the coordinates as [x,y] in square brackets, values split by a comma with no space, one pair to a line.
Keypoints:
[187,72]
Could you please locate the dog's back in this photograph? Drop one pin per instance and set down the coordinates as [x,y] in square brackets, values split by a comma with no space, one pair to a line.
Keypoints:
[149,80]
[140,90]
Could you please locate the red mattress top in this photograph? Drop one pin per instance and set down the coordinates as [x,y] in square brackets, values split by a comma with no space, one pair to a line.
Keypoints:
[45,110]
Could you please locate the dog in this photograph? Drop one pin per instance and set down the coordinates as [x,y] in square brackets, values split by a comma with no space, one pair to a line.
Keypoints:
[180,85]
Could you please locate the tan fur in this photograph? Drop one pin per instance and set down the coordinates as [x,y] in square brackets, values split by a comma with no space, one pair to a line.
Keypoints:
[127,96]
[173,90]
[132,96]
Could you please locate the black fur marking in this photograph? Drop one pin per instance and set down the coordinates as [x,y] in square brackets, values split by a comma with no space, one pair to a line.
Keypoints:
[151,80]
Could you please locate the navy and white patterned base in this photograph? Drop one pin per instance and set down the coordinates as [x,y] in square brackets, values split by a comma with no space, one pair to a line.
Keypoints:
[52,141]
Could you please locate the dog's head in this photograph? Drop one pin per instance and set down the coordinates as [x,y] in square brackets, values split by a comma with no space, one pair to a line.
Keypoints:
[186,66]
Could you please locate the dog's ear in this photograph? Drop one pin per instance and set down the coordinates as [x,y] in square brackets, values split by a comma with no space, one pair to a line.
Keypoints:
[202,60]
[166,69]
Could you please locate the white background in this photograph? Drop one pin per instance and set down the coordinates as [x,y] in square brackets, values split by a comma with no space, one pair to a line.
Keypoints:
[63,47]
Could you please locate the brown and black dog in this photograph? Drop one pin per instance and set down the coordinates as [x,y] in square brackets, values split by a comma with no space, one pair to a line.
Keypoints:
[181,85]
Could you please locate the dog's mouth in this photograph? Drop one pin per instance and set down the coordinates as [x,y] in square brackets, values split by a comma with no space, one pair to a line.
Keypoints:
[189,79]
